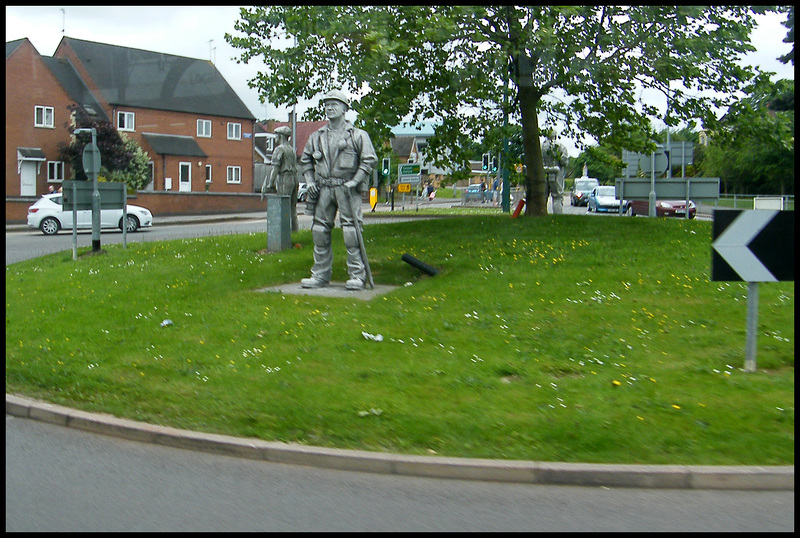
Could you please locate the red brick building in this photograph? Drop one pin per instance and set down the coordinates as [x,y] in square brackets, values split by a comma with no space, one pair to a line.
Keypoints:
[197,132]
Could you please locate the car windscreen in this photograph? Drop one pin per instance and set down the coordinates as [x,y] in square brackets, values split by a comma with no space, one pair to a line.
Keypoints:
[606,191]
[585,185]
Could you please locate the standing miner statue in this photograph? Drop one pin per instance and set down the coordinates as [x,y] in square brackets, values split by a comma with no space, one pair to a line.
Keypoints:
[336,164]
[555,163]
[283,176]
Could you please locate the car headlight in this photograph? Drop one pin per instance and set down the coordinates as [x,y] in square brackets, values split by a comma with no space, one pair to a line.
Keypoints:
[665,205]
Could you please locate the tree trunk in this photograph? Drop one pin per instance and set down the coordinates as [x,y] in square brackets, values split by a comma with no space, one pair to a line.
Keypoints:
[535,180]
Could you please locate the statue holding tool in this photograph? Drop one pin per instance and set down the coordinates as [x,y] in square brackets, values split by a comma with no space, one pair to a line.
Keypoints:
[336,164]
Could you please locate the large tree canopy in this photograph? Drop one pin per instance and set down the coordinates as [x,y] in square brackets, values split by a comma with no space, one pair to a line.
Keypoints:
[581,68]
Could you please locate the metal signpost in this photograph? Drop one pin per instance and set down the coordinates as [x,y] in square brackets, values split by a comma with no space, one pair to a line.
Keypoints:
[752,246]
[411,174]
[91,165]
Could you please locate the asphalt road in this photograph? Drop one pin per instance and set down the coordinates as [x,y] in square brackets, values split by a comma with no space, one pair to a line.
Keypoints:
[61,479]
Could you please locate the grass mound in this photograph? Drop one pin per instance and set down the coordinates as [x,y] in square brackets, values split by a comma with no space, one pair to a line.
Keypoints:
[553,339]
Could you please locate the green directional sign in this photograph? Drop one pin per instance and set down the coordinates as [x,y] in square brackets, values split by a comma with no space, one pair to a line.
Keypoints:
[409,172]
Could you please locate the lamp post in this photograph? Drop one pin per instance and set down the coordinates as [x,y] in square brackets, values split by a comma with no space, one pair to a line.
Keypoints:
[91,165]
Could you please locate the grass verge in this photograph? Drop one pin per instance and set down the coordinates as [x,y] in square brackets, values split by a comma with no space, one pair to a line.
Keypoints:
[560,338]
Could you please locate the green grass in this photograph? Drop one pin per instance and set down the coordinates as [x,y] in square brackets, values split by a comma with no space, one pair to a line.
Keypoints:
[553,339]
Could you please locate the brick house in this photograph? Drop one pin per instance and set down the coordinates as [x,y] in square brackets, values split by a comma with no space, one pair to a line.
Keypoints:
[197,132]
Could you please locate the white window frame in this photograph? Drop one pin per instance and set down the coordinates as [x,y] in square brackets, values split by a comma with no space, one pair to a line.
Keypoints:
[237,131]
[55,171]
[129,117]
[205,131]
[208,173]
[234,174]
[44,116]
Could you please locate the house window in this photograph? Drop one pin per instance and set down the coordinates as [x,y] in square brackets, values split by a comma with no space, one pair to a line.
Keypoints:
[270,144]
[234,174]
[125,121]
[204,128]
[43,117]
[234,131]
[55,171]
[208,173]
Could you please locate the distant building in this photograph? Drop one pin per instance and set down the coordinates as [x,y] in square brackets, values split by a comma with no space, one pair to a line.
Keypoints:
[196,130]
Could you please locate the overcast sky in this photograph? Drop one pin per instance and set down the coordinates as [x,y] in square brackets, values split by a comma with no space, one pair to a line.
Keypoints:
[199,32]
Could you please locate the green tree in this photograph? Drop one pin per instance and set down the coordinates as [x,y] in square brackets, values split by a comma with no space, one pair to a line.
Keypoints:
[751,148]
[603,163]
[467,67]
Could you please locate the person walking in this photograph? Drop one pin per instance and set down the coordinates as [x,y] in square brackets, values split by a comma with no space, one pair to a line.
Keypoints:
[283,176]
[336,163]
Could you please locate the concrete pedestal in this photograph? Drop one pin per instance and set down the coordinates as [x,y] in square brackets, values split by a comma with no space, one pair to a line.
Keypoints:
[279,223]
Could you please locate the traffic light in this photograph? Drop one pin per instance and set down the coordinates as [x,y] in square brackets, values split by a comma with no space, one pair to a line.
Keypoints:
[494,164]
[385,166]
[485,165]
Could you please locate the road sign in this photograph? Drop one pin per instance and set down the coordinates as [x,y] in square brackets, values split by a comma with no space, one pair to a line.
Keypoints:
[752,246]
[404,187]
[676,188]
[409,173]
[112,195]
[91,159]
[678,154]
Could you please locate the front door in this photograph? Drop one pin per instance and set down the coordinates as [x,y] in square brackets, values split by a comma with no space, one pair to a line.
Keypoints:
[185,182]
[27,179]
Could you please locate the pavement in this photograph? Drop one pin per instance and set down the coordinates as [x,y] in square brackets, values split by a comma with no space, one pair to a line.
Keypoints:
[514,471]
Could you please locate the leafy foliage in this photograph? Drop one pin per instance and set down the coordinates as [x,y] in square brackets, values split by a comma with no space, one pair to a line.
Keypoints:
[752,146]
[121,159]
[582,68]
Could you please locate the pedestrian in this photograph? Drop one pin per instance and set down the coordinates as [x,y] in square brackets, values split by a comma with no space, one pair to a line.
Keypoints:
[283,175]
[336,163]
[51,189]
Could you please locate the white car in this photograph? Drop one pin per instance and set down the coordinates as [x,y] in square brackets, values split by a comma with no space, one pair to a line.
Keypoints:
[48,215]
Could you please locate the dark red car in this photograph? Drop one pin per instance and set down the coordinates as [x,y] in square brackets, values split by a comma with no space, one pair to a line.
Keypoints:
[664,208]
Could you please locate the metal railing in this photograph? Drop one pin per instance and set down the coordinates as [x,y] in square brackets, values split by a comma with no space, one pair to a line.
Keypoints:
[746,201]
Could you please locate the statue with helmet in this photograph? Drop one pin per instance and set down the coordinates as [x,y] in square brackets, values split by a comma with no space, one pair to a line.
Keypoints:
[337,163]
[283,174]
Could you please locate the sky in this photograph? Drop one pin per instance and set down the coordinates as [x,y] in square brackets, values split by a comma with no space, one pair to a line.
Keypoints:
[199,32]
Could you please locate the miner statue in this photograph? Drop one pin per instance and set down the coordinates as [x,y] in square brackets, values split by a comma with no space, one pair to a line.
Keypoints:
[337,164]
[283,175]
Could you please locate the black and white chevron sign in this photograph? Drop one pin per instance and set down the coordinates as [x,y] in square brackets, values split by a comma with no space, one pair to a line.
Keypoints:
[752,246]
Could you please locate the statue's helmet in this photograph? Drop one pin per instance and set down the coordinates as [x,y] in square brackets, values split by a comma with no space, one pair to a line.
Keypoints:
[285,131]
[337,96]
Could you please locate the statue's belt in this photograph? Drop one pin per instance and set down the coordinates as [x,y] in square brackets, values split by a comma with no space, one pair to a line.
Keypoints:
[331,181]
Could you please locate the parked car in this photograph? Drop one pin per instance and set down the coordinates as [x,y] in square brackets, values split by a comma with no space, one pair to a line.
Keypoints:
[48,215]
[604,198]
[581,189]
[302,192]
[664,208]
[473,193]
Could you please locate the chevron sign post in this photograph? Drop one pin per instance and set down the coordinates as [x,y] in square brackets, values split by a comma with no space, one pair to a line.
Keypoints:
[752,246]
